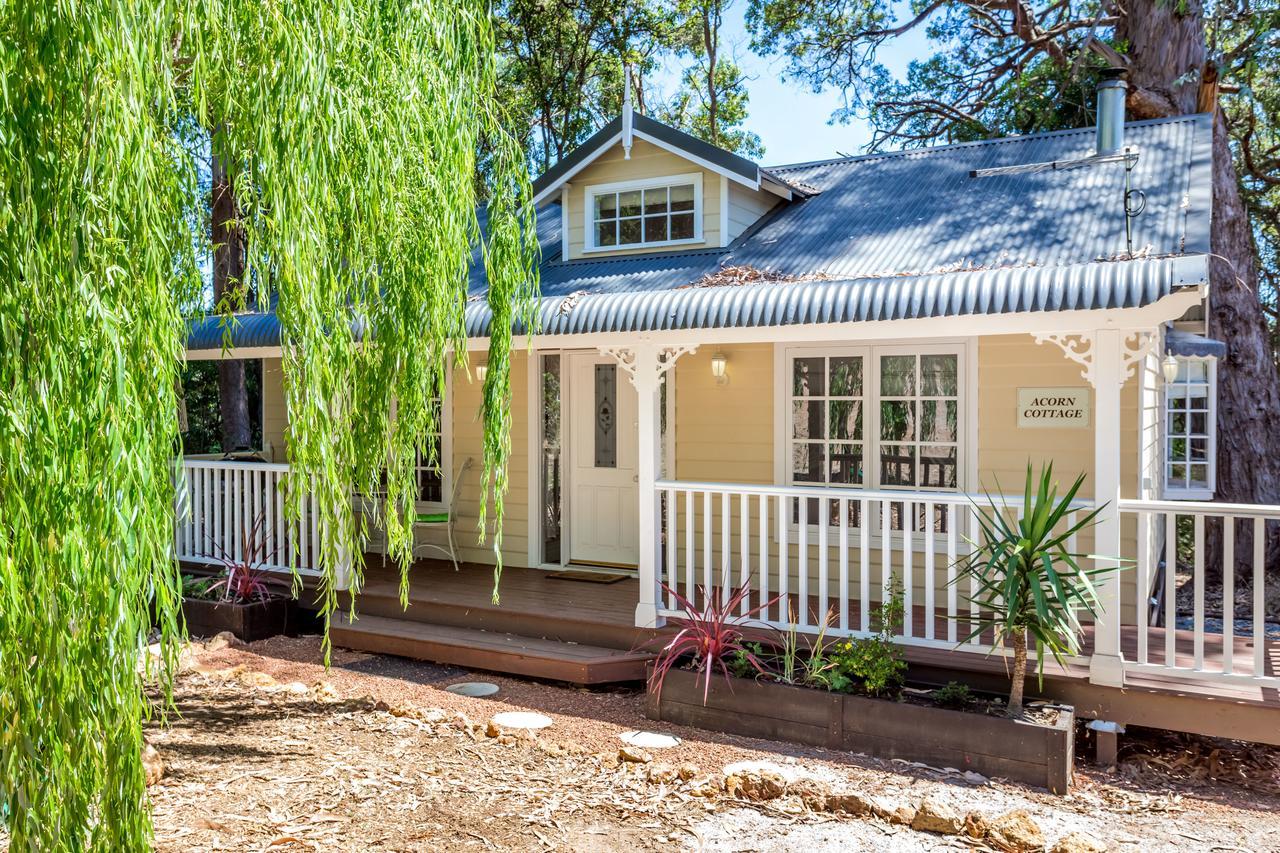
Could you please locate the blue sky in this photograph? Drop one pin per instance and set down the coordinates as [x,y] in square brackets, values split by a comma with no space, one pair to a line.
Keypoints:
[793,122]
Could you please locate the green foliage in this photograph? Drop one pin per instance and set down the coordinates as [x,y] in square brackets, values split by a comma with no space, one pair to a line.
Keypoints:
[200,588]
[562,64]
[713,99]
[204,419]
[740,665]
[353,126]
[954,695]
[874,664]
[1029,585]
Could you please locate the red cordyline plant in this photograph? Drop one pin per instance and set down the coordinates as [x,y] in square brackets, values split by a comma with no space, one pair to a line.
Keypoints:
[244,578]
[712,635]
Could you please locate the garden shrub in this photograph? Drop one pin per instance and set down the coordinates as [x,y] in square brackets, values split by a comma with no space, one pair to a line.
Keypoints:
[874,663]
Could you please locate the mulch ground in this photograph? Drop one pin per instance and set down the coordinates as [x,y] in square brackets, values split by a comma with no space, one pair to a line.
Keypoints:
[269,751]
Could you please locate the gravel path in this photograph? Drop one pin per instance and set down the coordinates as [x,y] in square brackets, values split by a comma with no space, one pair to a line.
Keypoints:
[271,752]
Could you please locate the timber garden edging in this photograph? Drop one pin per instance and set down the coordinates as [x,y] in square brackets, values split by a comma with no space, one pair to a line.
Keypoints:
[1021,751]
[249,621]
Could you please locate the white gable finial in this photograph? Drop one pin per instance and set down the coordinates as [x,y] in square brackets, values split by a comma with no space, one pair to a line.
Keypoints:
[626,112]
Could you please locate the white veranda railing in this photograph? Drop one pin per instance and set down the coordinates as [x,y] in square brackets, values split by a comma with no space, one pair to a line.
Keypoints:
[222,504]
[719,536]
[1221,635]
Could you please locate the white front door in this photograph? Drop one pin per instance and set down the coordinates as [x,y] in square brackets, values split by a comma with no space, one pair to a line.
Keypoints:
[603,490]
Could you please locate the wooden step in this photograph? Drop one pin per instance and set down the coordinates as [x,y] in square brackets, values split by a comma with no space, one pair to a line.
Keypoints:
[487,650]
[533,605]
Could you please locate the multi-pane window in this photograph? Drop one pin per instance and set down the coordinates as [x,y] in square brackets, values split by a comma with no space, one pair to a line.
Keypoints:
[1190,429]
[427,467]
[827,438]
[428,471]
[874,417]
[623,217]
[919,412]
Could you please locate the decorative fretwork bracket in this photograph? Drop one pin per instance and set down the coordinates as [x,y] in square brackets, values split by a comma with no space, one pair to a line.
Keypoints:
[667,357]
[1080,347]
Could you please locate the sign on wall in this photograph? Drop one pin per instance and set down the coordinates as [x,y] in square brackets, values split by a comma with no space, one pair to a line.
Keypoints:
[1057,408]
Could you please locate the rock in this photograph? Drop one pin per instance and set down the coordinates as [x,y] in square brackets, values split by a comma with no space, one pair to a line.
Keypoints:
[662,774]
[507,740]
[811,792]
[687,771]
[708,787]
[904,815]
[220,641]
[492,730]
[296,688]
[323,691]
[755,785]
[257,679]
[975,825]
[608,760]
[937,816]
[850,802]
[634,754]
[1015,831]
[974,778]
[1078,842]
[152,764]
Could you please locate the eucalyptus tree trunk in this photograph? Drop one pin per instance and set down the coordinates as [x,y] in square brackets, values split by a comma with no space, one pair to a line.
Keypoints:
[228,275]
[1019,638]
[1171,73]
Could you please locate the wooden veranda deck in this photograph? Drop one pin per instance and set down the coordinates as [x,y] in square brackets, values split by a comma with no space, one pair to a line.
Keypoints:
[583,633]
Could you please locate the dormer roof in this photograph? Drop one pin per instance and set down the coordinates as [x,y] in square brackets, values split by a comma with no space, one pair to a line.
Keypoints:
[731,166]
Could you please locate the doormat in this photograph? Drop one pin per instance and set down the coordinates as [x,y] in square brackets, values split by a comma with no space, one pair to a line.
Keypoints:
[586,577]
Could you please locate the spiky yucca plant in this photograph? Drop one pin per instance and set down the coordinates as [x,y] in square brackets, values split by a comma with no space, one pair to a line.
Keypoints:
[1030,585]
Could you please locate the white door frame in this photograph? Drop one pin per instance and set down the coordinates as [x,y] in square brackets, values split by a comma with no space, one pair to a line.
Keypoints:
[534,415]
[622,480]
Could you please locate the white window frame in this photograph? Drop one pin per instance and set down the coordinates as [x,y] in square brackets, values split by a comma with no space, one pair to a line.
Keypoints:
[965,350]
[589,205]
[446,458]
[1184,492]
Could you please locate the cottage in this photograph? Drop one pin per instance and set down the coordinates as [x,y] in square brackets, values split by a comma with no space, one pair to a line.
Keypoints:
[797,377]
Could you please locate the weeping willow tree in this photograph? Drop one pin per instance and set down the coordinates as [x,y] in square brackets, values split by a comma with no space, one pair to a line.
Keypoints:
[351,128]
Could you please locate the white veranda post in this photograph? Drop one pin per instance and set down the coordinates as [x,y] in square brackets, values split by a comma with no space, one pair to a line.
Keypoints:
[1108,358]
[1109,372]
[646,363]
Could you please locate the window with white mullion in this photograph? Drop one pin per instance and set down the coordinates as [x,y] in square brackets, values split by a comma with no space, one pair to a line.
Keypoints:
[629,216]
[875,417]
[1190,430]
[919,411]
[826,407]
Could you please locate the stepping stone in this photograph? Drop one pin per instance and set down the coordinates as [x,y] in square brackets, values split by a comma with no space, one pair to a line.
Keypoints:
[649,740]
[521,720]
[472,688]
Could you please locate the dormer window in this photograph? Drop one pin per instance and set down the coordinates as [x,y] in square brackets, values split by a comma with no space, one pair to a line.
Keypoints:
[652,213]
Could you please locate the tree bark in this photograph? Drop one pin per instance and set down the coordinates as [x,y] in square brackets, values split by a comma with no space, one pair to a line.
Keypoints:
[1019,638]
[1169,67]
[228,278]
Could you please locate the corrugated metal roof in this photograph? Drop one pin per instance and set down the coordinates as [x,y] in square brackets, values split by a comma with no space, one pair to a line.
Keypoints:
[1077,287]
[1120,284]
[908,232]
[251,329]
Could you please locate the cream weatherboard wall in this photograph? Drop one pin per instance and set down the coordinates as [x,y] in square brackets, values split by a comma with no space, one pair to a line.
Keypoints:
[275,417]
[742,205]
[725,433]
